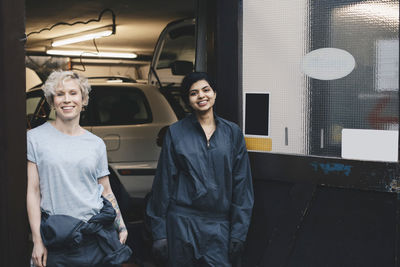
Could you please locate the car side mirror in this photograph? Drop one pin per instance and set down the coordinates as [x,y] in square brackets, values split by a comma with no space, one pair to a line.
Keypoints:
[181,67]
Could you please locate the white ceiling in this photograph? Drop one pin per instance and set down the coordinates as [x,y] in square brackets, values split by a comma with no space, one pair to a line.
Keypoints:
[139,22]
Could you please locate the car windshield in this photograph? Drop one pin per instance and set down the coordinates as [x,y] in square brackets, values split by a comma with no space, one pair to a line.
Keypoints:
[118,106]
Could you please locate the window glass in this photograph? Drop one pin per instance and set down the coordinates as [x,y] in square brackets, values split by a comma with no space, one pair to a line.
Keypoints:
[36,109]
[119,106]
[179,44]
[31,104]
[52,115]
[327,66]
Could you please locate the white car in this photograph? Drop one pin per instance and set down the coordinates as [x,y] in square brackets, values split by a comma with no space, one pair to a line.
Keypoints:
[130,117]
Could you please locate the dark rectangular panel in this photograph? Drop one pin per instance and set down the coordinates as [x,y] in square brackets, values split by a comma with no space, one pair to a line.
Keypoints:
[257,114]
[278,209]
[346,227]
[298,224]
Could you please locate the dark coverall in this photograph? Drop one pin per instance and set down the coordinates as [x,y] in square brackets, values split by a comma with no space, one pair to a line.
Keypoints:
[72,242]
[202,193]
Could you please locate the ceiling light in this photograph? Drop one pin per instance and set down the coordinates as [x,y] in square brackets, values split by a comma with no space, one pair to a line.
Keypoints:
[76,53]
[85,36]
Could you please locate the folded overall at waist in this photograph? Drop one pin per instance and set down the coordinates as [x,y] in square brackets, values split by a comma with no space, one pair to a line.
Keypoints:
[63,232]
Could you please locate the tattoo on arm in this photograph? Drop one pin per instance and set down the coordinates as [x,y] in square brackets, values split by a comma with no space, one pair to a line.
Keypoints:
[119,222]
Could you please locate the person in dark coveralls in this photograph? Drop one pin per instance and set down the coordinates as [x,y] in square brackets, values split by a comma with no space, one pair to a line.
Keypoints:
[202,194]
[73,214]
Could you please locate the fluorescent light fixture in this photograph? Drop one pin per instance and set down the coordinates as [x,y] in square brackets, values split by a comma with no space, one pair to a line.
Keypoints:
[76,53]
[84,36]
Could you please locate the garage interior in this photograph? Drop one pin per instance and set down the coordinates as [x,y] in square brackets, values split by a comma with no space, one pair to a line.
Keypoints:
[135,30]
[134,27]
[301,218]
[138,25]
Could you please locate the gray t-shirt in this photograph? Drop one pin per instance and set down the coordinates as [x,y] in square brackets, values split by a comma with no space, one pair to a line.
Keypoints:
[69,167]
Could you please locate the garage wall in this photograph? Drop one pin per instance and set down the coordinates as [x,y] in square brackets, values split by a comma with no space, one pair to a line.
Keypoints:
[93,70]
[13,218]
[43,65]
[274,42]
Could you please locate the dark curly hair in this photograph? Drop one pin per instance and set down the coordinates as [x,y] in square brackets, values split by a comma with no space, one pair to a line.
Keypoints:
[192,78]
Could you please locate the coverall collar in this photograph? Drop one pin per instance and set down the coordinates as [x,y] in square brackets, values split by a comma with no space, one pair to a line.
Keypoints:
[193,119]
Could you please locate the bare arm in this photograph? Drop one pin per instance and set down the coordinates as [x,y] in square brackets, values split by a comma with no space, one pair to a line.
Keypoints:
[39,253]
[119,221]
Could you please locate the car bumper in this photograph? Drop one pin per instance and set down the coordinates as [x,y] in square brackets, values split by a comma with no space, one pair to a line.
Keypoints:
[136,177]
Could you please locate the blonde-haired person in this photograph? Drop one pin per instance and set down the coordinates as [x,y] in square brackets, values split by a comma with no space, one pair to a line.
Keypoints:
[73,214]
[53,81]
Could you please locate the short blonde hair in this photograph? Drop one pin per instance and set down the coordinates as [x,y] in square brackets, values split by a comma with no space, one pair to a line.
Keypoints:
[56,79]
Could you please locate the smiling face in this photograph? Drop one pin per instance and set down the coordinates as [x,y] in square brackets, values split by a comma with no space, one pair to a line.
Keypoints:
[68,100]
[202,97]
